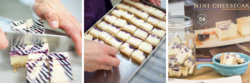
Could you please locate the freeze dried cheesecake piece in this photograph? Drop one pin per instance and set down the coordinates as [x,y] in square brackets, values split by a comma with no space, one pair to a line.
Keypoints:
[162,25]
[152,39]
[133,10]
[158,32]
[158,13]
[117,12]
[226,30]
[153,20]
[147,27]
[60,68]
[134,41]
[148,9]
[19,54]
[123,35]
[138,56]
[115,42]
[88,37]
[95,32]
[123,6]
[105,36]
[141,14]
[137,21]
[112,29]
[184,53]
[189,62]
[120,22]
[231,59]
[127,49]
[103,25]
[110,18]
[28,26]
[138,5]
[129,28]
[37,68]
[141,34]
[243,25]
[127,15]
[146,47]
[174,72]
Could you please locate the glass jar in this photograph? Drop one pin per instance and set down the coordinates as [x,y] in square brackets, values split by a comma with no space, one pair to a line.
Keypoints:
[181,47]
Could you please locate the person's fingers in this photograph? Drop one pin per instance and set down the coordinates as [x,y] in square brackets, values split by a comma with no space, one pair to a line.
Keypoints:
[158,2]
[112,61]
[4,41]
[106,67]
[110,50]
[78,46]
[52,18]
[152,1]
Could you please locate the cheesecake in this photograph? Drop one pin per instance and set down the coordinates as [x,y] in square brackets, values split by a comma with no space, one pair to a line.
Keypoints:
[226,30]
[243,25]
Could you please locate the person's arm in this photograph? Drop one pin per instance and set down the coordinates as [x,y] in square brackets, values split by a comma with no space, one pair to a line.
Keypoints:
[59,17]
[157,2]
[99,56]
[4,41]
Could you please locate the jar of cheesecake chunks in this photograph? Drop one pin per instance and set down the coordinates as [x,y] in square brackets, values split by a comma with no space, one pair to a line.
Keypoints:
[181,47]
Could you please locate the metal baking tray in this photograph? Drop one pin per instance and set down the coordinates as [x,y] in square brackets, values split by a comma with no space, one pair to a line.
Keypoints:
[127,68]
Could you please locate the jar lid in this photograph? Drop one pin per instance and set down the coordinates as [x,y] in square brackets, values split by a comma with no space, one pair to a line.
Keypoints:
[179,21]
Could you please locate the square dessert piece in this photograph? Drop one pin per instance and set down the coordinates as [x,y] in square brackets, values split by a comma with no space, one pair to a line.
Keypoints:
[60,68]
[158,32]
[158,13]
[183,54]
[148,9]
[141,34]
[120,22]
[162,25]
[138,56]
[103,25]
[134,41]
[129,28]
[139,5]
[127,49]
[95,32]
[88,37]
[130,2]
[127,15]
[28,26]
[244,26]
[154,21]
[115,42]
[37,68]
[133,10]
[174,72]
[110,18]
[137,21]
[226,30]
[141,14]
[189,62]
[105,36]
[117,12]
[227,59]
[147,27]
[123,35]
[123,7]
[146,47]
[19,54]
[152,39]
[113,29]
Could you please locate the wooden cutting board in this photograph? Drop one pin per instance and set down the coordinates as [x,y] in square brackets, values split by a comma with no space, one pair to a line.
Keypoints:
[214,41]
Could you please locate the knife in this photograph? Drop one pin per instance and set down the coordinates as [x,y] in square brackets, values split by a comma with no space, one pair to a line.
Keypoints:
[58,41]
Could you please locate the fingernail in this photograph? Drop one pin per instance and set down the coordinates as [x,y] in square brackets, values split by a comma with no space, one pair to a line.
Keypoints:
[54,24]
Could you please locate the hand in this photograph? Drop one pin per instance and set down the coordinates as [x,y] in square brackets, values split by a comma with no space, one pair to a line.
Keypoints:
[99,56]
[58,16]
[3,42]
[156,2]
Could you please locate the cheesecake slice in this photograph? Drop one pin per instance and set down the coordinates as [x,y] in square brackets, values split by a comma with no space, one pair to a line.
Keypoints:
[226,30]
[60,68]
[28,26]
[19,54]
[244,26]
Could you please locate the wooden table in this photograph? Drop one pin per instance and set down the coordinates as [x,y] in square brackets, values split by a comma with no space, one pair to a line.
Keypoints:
[206,73]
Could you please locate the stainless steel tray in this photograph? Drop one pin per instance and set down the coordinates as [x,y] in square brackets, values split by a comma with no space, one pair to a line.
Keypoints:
[127,67]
